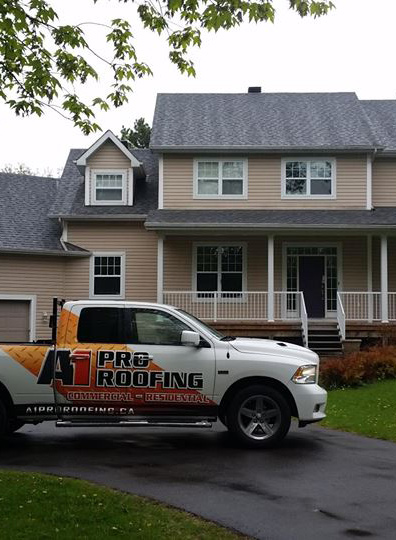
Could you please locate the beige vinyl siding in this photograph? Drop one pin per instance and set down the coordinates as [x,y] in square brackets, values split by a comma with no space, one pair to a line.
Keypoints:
[139,245]
[384,182]
[110,158]
[264,185]
[34,275]
[178,258]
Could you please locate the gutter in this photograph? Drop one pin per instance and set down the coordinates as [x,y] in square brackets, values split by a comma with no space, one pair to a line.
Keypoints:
[49,252]
[237,226]
[100,217]
[268,149]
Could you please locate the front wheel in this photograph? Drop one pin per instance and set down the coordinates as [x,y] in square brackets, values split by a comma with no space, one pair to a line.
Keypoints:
[259,416]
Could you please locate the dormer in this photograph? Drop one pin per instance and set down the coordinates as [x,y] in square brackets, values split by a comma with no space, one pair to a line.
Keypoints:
[109,169]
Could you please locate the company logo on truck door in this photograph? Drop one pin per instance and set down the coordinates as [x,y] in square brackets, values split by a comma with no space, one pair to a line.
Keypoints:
[114,369]
[124,369]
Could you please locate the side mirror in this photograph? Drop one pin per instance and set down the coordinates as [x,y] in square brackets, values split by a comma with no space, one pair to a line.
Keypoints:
[190,338]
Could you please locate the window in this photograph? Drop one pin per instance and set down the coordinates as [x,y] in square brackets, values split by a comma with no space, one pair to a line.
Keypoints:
[155,327]
[109,187]
[107,275]
[101,325]
[308,178]
[220,268]
[220,178]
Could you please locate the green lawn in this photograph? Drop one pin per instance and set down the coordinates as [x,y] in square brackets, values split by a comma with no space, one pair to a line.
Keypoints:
[369,410]
[35,506]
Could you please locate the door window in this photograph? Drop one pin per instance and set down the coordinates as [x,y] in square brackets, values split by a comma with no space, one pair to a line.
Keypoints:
[154,327]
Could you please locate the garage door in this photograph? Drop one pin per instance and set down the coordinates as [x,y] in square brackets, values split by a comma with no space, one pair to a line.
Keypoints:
[14,320]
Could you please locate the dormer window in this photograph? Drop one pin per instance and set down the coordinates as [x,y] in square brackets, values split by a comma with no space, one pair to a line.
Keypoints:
[109,170]
[109,187]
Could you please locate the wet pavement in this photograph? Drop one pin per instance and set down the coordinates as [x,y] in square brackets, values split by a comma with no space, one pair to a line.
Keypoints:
[318,484]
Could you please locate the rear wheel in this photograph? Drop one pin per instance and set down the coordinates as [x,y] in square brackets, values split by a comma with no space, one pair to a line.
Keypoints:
[259,416]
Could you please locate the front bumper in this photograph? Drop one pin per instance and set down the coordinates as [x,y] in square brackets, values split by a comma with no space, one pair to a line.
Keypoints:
[310,400]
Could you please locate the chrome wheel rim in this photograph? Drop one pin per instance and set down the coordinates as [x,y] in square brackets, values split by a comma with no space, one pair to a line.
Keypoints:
[259,417]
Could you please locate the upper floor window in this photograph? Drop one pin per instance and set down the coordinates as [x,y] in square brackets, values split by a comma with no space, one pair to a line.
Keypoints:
[220,178]
[109,187]
[308,178]
[107,275]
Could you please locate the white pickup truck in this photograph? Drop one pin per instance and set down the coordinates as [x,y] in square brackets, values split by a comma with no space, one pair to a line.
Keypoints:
[141,364]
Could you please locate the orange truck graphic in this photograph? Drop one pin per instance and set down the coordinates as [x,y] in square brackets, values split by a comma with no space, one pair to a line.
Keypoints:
[126,363]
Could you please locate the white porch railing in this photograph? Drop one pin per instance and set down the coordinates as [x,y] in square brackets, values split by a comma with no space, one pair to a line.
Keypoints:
[360,306]
[341,317]
[392,306]
[304,320]
[242,306]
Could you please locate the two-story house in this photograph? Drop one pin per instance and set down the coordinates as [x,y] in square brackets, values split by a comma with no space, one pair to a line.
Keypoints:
[266,214]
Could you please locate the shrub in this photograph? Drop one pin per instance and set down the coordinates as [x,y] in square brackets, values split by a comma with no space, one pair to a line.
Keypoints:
[359,368]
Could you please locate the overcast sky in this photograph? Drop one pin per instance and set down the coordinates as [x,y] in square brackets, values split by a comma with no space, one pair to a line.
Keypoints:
[352,49]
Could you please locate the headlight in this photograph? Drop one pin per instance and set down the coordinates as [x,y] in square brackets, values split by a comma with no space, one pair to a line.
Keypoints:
[305,375]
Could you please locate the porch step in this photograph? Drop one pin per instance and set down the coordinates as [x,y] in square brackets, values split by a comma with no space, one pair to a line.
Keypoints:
[324,338]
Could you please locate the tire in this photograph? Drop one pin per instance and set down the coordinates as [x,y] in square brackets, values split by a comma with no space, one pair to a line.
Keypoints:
[14,425]
[259,416]
[3,419]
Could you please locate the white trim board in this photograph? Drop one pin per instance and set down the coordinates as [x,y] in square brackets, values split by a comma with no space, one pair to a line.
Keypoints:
[32,298]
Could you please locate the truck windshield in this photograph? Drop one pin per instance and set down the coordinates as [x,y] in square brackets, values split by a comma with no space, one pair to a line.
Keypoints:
[208,328]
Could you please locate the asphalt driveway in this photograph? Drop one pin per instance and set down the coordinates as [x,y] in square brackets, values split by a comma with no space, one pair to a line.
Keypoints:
[320,484]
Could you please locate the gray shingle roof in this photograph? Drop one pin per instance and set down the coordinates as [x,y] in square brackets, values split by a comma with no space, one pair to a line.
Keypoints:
[266,121]
[70,197]
[382,116]
[24,222]
[174,219]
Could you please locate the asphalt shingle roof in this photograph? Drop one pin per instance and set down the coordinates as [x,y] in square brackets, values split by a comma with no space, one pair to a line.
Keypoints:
[70,198]
[24,223]
[266,121]
[382,116]
[271,218]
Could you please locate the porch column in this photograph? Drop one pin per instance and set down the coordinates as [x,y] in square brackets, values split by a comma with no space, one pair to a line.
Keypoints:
[160,269]
[270,277]
[384,278]
[370,277]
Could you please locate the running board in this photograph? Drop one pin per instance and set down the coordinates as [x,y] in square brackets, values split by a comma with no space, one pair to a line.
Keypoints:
[134,423]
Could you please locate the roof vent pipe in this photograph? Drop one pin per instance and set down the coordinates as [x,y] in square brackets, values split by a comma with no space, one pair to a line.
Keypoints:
[254,90]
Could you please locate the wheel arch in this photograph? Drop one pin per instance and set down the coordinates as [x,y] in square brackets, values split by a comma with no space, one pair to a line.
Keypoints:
[6,399]
[249,381]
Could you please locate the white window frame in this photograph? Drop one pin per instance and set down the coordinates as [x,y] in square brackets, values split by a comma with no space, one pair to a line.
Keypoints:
[196,245]
[308,195]
[123,173]
[92,295]
[243,195]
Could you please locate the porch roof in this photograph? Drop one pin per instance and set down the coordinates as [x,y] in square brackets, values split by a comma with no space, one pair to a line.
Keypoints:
[272,219]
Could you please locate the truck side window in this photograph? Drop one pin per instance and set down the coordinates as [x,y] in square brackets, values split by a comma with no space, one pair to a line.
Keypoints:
[154,327]
[101,325]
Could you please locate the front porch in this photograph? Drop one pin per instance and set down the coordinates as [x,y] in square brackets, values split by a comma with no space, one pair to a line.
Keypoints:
[278,285]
